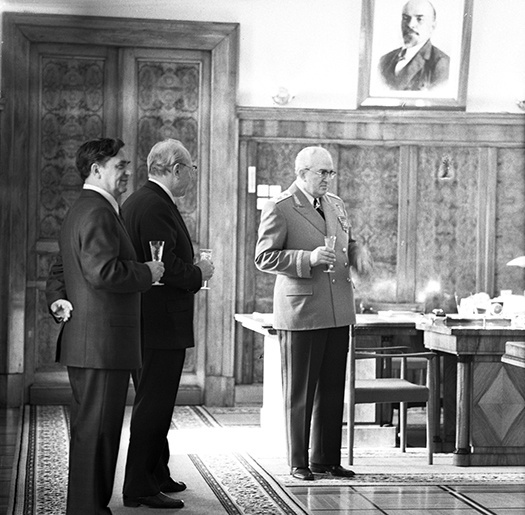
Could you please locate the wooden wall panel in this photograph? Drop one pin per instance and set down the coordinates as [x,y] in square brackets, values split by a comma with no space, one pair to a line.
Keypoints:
[368,183]
[447,220]
[510,220]
[458,231]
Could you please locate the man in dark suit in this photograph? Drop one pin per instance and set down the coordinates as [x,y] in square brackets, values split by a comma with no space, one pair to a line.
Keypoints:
[150,214]
[417,65]
[313,310]
[94,287]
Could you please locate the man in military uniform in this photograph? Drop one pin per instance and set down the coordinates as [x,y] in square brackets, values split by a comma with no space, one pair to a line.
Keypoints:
[313,310]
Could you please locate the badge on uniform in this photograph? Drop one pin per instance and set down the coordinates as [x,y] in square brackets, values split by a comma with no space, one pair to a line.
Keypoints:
[344,223]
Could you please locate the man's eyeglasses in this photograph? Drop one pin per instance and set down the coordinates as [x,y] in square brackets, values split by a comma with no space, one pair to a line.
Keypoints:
[193,167]
[325,174]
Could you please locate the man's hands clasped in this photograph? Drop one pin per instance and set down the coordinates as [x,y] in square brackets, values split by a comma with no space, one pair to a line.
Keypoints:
[61,310]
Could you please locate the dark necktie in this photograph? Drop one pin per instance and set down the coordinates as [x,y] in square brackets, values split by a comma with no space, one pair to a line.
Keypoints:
[318,208]
[402,54]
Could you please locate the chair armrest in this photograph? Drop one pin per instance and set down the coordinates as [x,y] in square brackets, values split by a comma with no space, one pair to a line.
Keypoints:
[371,355]
[380,349]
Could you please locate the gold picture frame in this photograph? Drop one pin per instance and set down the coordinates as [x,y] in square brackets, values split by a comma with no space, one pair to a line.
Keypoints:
[419,86]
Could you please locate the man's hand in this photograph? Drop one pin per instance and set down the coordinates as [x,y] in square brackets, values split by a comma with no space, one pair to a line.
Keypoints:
[61,310]
[362,260]
[322,256]
[207,269]
[156,269]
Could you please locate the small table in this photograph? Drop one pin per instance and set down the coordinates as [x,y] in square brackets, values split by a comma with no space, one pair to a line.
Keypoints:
[489,407]
[371,330]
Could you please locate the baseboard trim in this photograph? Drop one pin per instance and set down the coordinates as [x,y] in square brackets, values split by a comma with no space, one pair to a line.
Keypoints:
[59,393]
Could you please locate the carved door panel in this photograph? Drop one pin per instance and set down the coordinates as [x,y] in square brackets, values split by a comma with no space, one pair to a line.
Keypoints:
[80,92]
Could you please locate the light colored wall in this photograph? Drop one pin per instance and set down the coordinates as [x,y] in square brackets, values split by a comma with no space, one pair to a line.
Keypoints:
[312,46]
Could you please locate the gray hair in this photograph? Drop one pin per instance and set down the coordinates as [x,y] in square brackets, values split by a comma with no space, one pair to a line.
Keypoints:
[305,156]
[164,154]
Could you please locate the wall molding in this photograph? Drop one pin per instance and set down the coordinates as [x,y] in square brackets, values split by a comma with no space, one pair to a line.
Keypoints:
[371,127]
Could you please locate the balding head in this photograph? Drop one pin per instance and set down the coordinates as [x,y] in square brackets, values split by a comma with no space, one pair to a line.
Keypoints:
[418,21]
[165,154]
[309,155]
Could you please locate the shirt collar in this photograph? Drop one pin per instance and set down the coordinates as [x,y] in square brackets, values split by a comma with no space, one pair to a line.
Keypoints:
[158,183]
[306,194]
[110,198]
[413,50]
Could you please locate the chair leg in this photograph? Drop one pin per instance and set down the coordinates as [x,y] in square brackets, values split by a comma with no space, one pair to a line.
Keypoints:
[350,429]
[403,426]
[431,409]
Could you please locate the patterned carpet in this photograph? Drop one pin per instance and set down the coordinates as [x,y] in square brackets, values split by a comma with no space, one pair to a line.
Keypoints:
[238,483]
[229,464]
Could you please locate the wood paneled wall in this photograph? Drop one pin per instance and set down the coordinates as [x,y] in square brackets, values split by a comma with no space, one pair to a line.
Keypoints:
[438,199]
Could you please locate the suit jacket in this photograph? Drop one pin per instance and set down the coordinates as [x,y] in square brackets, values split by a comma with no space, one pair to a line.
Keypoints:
[305,297]
[427,69]
[98,273]
[167,311]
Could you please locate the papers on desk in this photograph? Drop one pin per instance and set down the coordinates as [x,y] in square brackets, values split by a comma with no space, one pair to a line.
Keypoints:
[476,320]
[396,314]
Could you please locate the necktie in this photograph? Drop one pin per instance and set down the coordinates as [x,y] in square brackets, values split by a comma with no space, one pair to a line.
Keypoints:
[318,208]
[399,60]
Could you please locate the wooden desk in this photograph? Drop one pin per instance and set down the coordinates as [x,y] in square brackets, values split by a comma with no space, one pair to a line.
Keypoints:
[372,331]
[489,408]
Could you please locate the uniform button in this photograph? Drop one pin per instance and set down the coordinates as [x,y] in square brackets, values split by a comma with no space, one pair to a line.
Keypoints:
[348,280]
[333,281]
[344,249]
[346,264]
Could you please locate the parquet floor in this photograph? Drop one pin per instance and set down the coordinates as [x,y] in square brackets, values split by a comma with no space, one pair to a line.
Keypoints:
[487,499]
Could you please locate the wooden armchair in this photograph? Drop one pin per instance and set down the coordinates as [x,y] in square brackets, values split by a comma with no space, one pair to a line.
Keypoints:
[391,390]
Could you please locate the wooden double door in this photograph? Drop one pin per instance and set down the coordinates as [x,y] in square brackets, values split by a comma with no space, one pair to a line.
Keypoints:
[87,80]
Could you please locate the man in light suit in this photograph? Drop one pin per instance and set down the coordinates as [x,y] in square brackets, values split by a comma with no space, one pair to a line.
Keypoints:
[151,213]
[417,65]
[313,310]
[94,287]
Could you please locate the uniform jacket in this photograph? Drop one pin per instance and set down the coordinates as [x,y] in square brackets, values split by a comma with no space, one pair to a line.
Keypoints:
[305,297]
[427,69]
[98,273]
[167,311]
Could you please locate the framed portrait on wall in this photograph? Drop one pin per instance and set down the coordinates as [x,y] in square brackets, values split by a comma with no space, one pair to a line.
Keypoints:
[414,54]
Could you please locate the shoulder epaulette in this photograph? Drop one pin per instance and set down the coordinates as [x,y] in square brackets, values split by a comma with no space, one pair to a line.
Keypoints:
[283,196]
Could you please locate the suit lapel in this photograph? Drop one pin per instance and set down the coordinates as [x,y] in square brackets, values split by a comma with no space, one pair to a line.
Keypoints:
[330,215]
[303,207]
[414,67]
[181,220]
[176,213]
[95,194]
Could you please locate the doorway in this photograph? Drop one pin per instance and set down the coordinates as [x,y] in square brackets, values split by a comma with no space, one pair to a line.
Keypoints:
[68,79]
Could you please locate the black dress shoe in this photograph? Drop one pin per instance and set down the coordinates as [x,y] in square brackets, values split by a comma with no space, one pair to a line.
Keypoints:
[303,473]
[332,470]
[171,486]
[160,501]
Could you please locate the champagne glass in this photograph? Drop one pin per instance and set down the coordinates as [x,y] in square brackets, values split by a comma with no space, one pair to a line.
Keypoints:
[157,247]
[329,242]
[206,254]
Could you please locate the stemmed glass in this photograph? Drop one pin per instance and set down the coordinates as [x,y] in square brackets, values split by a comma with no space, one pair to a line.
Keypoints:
[206,254]
[329,242]
[157,247]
